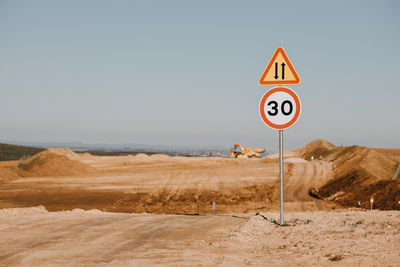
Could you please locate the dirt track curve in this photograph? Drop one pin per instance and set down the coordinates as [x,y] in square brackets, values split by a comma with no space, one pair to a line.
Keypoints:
[303,176]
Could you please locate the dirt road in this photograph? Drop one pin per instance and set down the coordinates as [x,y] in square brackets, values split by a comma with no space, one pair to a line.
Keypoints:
[303,176]
[34,237]
[79,238]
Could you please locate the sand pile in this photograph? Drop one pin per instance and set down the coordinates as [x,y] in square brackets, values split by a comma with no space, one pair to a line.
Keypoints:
[142,156]
[376,165]
[54,162]
[160,156]
[359,173]
[64,152]
[317,148]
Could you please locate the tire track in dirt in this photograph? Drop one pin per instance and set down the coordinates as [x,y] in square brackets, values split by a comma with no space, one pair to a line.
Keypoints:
[304,177]
[325,171]
[294,184]
[316,169]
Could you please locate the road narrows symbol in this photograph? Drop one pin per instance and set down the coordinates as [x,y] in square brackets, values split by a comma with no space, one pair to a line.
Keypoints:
[280,70]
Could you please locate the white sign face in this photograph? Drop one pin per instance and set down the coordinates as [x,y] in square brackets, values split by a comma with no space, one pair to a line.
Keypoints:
[280,108]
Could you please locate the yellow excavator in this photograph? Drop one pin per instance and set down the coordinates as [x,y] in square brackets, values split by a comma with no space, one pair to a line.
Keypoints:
[239,151]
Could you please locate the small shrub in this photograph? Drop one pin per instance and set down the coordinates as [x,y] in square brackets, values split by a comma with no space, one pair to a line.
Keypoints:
[22,160]
[336,258]
[358,223]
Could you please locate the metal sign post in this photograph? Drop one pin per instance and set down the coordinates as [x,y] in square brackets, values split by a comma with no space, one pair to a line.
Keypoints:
[281,221]
[280,107]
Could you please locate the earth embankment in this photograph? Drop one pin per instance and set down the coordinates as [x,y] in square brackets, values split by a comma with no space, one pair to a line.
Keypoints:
[358,174]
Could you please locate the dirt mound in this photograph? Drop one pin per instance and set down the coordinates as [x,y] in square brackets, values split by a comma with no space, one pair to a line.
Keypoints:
[54,162]
[317,148]
[142,156]
[359,173]
[63,152]
[160,156]
[376,165]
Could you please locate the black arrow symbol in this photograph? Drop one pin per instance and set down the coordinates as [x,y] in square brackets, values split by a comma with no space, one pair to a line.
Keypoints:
[276,71]
[283,71]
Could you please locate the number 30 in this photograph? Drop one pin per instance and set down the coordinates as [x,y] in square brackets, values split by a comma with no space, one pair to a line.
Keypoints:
[274,105]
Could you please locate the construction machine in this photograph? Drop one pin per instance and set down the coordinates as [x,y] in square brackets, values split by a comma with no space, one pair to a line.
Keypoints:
[239,151]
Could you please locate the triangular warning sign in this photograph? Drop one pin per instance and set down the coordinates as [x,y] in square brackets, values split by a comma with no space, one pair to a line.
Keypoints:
[279,70]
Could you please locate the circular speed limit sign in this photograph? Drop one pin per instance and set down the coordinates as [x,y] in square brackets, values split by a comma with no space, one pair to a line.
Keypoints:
[280,108]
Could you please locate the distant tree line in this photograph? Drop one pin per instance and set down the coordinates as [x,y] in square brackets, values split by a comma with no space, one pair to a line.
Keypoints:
[14,152]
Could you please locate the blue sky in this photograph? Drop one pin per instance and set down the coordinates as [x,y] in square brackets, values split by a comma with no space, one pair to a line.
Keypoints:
[186,72]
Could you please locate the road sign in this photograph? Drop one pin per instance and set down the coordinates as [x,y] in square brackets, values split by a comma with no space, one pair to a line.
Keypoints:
[280,108]
[280,70]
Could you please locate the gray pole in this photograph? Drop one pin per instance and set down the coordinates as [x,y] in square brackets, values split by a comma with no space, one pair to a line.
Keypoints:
[281,171]
[213,207]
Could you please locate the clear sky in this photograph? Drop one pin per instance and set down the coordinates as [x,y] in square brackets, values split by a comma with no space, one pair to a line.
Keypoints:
[186,72]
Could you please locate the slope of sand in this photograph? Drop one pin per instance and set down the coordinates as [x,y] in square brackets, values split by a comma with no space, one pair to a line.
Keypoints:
[373,163]
[359,173]
[34,237]
[63,152]
[54,162]
[393,153]
[317,148]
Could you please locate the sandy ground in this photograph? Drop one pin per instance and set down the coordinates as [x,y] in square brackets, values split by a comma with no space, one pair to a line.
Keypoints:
[352,238]
[173,185]
[166,204]
[35,237]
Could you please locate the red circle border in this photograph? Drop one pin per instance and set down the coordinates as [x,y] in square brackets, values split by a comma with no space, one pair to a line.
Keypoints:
[296,115]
